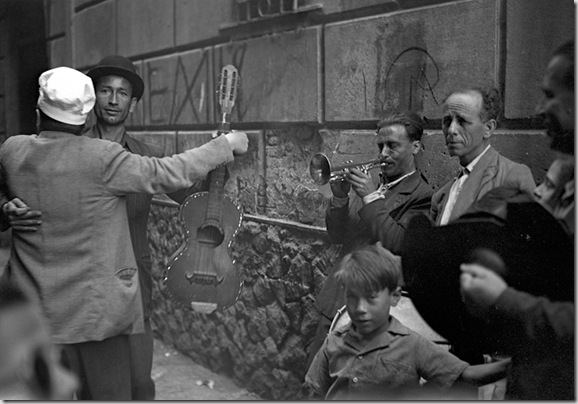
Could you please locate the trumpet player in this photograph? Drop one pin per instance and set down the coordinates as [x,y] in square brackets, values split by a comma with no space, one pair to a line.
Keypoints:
[369,214]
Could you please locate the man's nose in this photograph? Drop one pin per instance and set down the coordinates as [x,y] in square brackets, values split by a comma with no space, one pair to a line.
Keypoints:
[453,128]
[385,151]
[113,99]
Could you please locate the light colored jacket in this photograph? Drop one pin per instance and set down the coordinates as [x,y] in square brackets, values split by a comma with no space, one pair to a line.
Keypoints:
[492,171]
[80,262]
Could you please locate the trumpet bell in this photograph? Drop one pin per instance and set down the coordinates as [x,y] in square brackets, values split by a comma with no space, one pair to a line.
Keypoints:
[320,169]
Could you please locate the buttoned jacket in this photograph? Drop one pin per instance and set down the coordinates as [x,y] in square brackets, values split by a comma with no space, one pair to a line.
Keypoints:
[80,263]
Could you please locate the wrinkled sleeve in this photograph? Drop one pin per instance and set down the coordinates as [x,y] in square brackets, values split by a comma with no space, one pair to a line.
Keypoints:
[537,319]
[525,179]
[437,365]
[125,172]
[342,219]
[317,376]
[376,216]
[179,196]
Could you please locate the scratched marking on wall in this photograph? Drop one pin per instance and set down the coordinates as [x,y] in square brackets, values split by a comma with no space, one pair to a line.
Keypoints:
[181,89]
[410,79]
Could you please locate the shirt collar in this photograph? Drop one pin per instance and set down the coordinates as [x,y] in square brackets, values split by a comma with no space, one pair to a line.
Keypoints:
[470,167]
[123,140]
[352,338]
[389,185]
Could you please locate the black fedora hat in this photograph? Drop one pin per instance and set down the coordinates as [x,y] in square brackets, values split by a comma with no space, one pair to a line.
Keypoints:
[526,246]
[116,65]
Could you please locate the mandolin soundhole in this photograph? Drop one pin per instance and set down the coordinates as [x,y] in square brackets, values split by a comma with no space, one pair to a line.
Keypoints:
[211,235]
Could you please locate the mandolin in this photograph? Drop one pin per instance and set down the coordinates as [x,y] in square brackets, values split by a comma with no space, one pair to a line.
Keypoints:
[201,274]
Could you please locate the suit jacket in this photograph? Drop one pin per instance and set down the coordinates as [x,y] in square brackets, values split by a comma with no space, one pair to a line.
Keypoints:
[80,263]
[492,171]
[382,220]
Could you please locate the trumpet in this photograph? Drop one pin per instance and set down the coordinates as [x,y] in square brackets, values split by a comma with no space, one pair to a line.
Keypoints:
[322,173]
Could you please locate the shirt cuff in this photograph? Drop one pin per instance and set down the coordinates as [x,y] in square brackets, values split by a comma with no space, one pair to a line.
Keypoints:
[375,195]
[337,202]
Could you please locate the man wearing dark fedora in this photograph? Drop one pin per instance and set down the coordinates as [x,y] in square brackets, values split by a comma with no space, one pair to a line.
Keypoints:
[118,89]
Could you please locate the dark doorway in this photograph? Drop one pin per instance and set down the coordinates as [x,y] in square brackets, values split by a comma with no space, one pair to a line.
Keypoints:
[25,58]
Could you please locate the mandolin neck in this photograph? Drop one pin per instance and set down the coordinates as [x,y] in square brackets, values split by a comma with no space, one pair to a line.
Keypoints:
[217,179]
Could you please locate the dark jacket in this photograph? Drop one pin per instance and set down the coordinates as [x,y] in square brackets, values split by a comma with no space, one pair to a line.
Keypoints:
[382,220]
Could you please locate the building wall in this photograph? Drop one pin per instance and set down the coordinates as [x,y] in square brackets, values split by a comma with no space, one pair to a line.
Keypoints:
[315,78]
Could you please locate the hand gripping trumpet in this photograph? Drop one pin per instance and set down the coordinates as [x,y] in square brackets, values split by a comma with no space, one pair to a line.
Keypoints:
[321,171]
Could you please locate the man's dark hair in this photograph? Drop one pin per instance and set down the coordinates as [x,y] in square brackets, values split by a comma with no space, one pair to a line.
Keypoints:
[413,123]
[491,103]
[566,50]
[48,123]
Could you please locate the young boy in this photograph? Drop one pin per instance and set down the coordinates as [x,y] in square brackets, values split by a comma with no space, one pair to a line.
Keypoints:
[375,357]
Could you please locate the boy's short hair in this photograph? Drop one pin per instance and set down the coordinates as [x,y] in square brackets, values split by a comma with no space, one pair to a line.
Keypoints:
[370,269]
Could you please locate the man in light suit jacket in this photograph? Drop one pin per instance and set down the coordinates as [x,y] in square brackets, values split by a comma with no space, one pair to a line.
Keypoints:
[469,119]
[468,122]
[80,263]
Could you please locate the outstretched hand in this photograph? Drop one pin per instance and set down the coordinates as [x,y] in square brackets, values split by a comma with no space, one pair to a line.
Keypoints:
[20,217]
[480,287]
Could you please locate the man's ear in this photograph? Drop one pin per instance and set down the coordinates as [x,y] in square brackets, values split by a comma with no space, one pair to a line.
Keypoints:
[133,103]
[490,126]
[416,147]
[395,296]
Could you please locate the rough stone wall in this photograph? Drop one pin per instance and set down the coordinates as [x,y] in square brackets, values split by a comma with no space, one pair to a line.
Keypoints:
[283,256]
[315,80]
[261,341]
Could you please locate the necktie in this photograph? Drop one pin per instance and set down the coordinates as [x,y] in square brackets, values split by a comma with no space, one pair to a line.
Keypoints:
[453,196]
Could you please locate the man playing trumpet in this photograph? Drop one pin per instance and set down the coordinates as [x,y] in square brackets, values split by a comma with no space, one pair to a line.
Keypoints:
[375,215]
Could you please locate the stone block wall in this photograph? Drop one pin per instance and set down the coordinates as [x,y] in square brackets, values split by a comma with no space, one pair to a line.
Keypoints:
[316,76]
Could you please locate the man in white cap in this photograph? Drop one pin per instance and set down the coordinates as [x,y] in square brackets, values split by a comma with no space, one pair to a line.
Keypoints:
[80,263]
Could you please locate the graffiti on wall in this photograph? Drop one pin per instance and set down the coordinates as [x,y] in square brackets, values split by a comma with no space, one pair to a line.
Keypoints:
[410,79]
[181,89]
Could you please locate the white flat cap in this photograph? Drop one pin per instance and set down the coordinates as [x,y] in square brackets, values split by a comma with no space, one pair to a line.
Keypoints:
[66,95]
